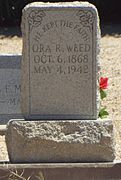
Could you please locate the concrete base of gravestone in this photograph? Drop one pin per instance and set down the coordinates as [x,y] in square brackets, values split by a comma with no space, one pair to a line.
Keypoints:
[60,141]
[61,171]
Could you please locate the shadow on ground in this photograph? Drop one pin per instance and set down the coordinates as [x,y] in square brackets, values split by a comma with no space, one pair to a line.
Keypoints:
[111,29]
[10,32]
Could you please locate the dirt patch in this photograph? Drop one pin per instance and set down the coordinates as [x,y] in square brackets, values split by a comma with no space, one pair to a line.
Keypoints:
[111,67]
[3,149]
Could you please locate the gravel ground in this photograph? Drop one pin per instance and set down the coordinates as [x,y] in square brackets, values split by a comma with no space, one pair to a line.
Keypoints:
[11,43]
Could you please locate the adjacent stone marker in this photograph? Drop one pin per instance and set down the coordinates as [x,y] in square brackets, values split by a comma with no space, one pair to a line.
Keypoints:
[9,88]
[60,61]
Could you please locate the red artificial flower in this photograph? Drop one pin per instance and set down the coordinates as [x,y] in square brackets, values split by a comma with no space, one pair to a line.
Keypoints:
[103,83]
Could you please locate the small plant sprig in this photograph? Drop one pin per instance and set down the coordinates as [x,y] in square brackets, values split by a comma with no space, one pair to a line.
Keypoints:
[103,85]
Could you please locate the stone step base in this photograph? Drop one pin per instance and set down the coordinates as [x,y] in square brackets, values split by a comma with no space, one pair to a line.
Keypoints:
[62,171]
[60,141]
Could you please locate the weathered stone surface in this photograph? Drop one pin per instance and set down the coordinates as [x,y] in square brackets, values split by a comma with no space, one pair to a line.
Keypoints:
[10,87]
[60,141]
[60,61]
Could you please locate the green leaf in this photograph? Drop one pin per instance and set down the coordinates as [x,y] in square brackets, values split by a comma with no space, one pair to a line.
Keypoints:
[103,113]
[103,94]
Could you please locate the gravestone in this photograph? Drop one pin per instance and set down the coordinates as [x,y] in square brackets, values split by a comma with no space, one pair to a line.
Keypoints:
[60,61]
[60,88]
[10,87]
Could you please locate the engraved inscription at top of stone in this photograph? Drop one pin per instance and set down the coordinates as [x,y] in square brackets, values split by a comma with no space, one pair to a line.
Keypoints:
[60,61]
